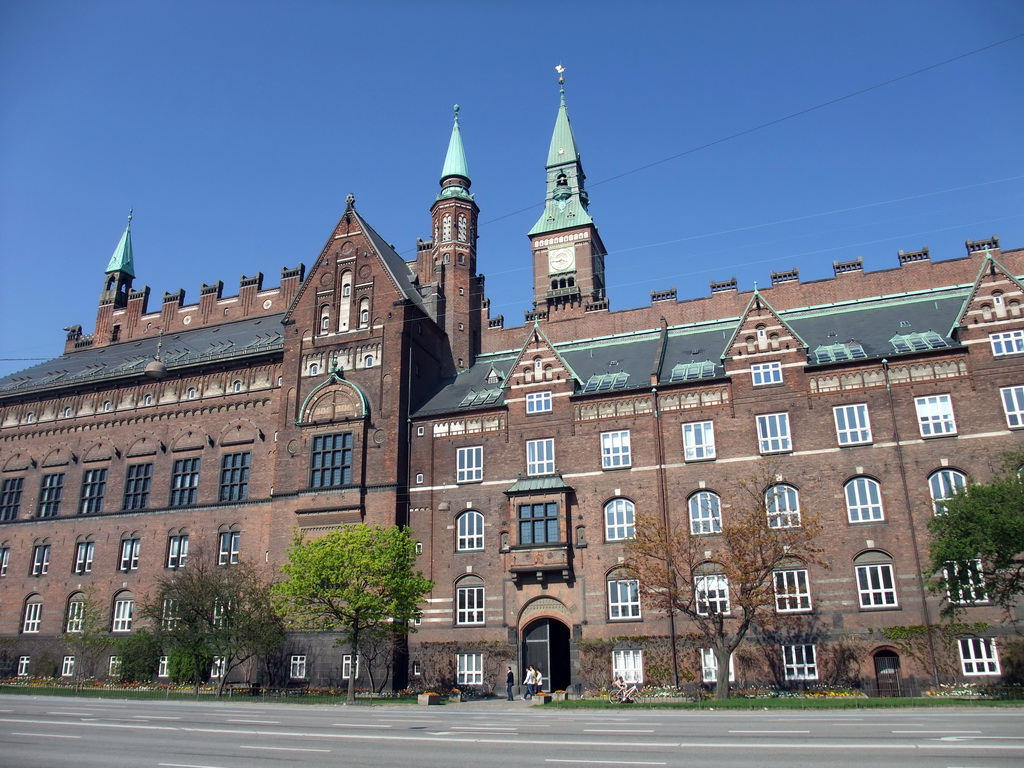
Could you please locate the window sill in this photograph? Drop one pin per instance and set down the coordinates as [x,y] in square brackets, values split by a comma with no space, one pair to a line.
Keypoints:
[880,608]
[939,437]
[616,469]
[700,460]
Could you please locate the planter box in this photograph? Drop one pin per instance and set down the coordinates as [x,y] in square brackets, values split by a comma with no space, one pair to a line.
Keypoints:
[428,698]
[541,698]
[560,696]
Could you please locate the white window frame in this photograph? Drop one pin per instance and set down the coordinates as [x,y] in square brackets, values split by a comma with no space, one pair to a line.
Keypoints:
[469,464]
[711,593]
[1007,343]
[942,484]
[615,449]
[163,668]
[935,415]
[67,668]
[773,434]
[978,656]
[40,559]
[628,663]
[177,551]
[114,666]
[346,666]
[765,374]
[23,665]
[297,667]
[1013,405]
[469,605]
[799,662]
[5,560]
[230,547]
[33,618]
[538,402]
[699,441]
[623,599]
[705,513]
[123,611]
[540,456]
[792,590]
[470,668]
[853,424]
[217,668]
[863,500]
[876,586]
[972,586]
[129,555]
[470,531]
[782,504]
[76,616]
[619,519]
[709,666]
[84,552]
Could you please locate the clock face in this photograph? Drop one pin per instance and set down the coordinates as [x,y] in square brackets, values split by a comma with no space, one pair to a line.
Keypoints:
[561,259]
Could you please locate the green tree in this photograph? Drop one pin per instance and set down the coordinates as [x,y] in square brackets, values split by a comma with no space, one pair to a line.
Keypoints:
[86,632]
[723,580]
[208,610]
[355,581]
[140,656]
[977,547]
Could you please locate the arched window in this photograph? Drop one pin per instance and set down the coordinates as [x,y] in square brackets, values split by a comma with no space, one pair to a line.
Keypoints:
[107,405]
[325,320]
[864,500]
[782,503]
[368,361]
[623,597]
[67,413]
[364,313]
[446,228]
[876,583]
[30,417]
[124,610]
[705,513]
[147,400]
[618,520]
[943,485]
[33,615]
[469,601]
[314,369]
[346,284]
[470,525]
[191,393]
[75,613]
[463,230]
[236,386]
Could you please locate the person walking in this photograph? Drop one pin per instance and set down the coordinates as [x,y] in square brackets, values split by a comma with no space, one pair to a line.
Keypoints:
[538,682]
[529,680]
[510,680]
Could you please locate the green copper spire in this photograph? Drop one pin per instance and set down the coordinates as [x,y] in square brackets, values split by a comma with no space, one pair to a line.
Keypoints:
[455,180]
[122,260]
[566,200]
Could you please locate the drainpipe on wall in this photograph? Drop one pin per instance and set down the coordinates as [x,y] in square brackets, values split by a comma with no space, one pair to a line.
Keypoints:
[663,498]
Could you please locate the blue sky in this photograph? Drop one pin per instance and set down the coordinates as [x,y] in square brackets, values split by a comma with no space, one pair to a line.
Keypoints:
[236,129]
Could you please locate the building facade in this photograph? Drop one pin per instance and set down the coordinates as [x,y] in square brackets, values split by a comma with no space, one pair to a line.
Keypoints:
[368,388]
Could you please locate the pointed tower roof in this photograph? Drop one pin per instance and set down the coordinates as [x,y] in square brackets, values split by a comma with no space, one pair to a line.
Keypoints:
[563,143]
[455,181]
[122,260]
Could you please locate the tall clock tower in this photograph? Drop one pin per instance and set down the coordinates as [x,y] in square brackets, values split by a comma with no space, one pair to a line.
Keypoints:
[568,255]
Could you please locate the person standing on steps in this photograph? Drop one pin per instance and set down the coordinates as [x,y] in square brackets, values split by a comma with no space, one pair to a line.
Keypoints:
[510,680]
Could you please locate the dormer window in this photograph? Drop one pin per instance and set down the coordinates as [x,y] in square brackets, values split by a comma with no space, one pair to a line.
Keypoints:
[191,393]
[314,369]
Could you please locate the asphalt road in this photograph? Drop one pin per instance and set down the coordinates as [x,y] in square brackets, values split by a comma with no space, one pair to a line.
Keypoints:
[52,731]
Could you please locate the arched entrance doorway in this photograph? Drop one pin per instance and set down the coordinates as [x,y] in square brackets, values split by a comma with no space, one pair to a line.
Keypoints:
[546,647]
[887,673]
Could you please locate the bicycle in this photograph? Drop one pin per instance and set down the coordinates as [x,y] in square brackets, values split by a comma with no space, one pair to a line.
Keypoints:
[628,695]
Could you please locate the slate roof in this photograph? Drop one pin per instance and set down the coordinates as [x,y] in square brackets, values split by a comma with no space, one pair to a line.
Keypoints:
[400,271]
[228,341]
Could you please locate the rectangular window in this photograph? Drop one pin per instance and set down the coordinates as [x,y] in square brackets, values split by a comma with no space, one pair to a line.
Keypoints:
[698,441]
[170,617]
[234,476]
[853,426]
[629,665]
[978,656]
[470,669]
[1007,343]
[184,482]
[624,599]
[230,545]
[615,449]
[346,666]
[330,461]
[84,551]
[123,610]
[773,433]
[935,415]
[10,498]
[470,605]
[766,373]
[94,488]
[969,581]
[538,524]
[114,667]
[792,591]
[712,594]
[51,491]
[876,586]
[538,402]
[23,665]
[1013,405]
[67,669]
[40,559]
[129,555]
[540,457]
[5,560]
[163,668]
[297,668]
[136,486]
[799,662]
[177,551]
[470,464]
[709,666]
[33,616]
[76,616]
[217,667]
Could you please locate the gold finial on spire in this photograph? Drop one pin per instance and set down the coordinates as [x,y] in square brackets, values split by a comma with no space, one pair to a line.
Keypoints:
[561,74]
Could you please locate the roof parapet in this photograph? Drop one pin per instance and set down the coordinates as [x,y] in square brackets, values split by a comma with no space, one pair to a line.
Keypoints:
[787,276]
[910,257]
[847,267]
[719,286]
[975,246]
[668,295]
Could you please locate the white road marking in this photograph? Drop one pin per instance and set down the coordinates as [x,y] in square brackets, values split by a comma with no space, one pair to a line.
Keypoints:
[598,762]
[256,722]
[154,717]
[360,725]
[72,714]
[187,765]
[936,731]
[772,731]
[618,730]
[286,749]
[44,735]
[484,728]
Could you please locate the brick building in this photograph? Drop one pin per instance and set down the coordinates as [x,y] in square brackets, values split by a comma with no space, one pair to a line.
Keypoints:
[373,389]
